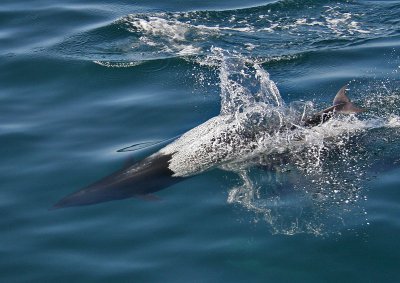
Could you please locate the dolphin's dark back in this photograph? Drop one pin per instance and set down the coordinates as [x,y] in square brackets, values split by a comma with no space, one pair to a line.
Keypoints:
[140,179]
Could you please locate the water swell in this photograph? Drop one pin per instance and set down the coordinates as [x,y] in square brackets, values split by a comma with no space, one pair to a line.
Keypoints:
[278,30]
[275,31]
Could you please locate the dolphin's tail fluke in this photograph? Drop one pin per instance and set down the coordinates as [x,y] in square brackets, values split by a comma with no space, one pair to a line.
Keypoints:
[138,180]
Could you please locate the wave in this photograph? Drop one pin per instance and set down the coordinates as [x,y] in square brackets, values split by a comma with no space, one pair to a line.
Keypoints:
[269,32]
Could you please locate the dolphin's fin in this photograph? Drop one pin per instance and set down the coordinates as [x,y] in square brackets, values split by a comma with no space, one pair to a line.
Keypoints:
[341,96]
[342,104]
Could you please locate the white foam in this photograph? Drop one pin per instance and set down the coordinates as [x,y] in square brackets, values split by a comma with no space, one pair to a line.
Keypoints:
[189,50]
[165,34]
[157,25]
[393,121]
[110,64]
[332,20]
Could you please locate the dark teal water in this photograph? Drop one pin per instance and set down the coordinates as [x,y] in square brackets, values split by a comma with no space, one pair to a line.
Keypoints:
[80,80]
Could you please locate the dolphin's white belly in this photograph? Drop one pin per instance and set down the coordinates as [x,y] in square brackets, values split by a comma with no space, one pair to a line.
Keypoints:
[203,147]
[216,141]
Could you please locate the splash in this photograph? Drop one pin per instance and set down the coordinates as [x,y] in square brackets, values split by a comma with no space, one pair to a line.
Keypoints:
[297,179]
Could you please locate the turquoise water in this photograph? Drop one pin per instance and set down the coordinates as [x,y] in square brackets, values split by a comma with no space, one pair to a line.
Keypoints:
[81,80]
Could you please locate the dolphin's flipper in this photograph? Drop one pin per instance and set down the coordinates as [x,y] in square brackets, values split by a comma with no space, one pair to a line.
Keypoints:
[138,180]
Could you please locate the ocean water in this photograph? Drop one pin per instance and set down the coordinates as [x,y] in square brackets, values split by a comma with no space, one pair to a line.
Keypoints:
[86,86]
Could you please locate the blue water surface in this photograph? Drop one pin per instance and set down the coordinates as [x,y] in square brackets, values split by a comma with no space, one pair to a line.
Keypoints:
[80,80]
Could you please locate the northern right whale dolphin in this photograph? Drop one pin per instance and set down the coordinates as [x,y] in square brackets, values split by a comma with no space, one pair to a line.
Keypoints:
[194,152]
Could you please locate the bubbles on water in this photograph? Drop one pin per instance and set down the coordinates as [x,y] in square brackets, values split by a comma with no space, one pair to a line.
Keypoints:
[312,190]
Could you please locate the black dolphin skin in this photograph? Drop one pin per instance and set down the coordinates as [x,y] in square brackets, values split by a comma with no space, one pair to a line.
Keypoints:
[153,174]
[140,179]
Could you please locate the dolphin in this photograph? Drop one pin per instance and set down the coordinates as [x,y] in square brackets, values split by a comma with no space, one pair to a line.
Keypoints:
[160,170]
